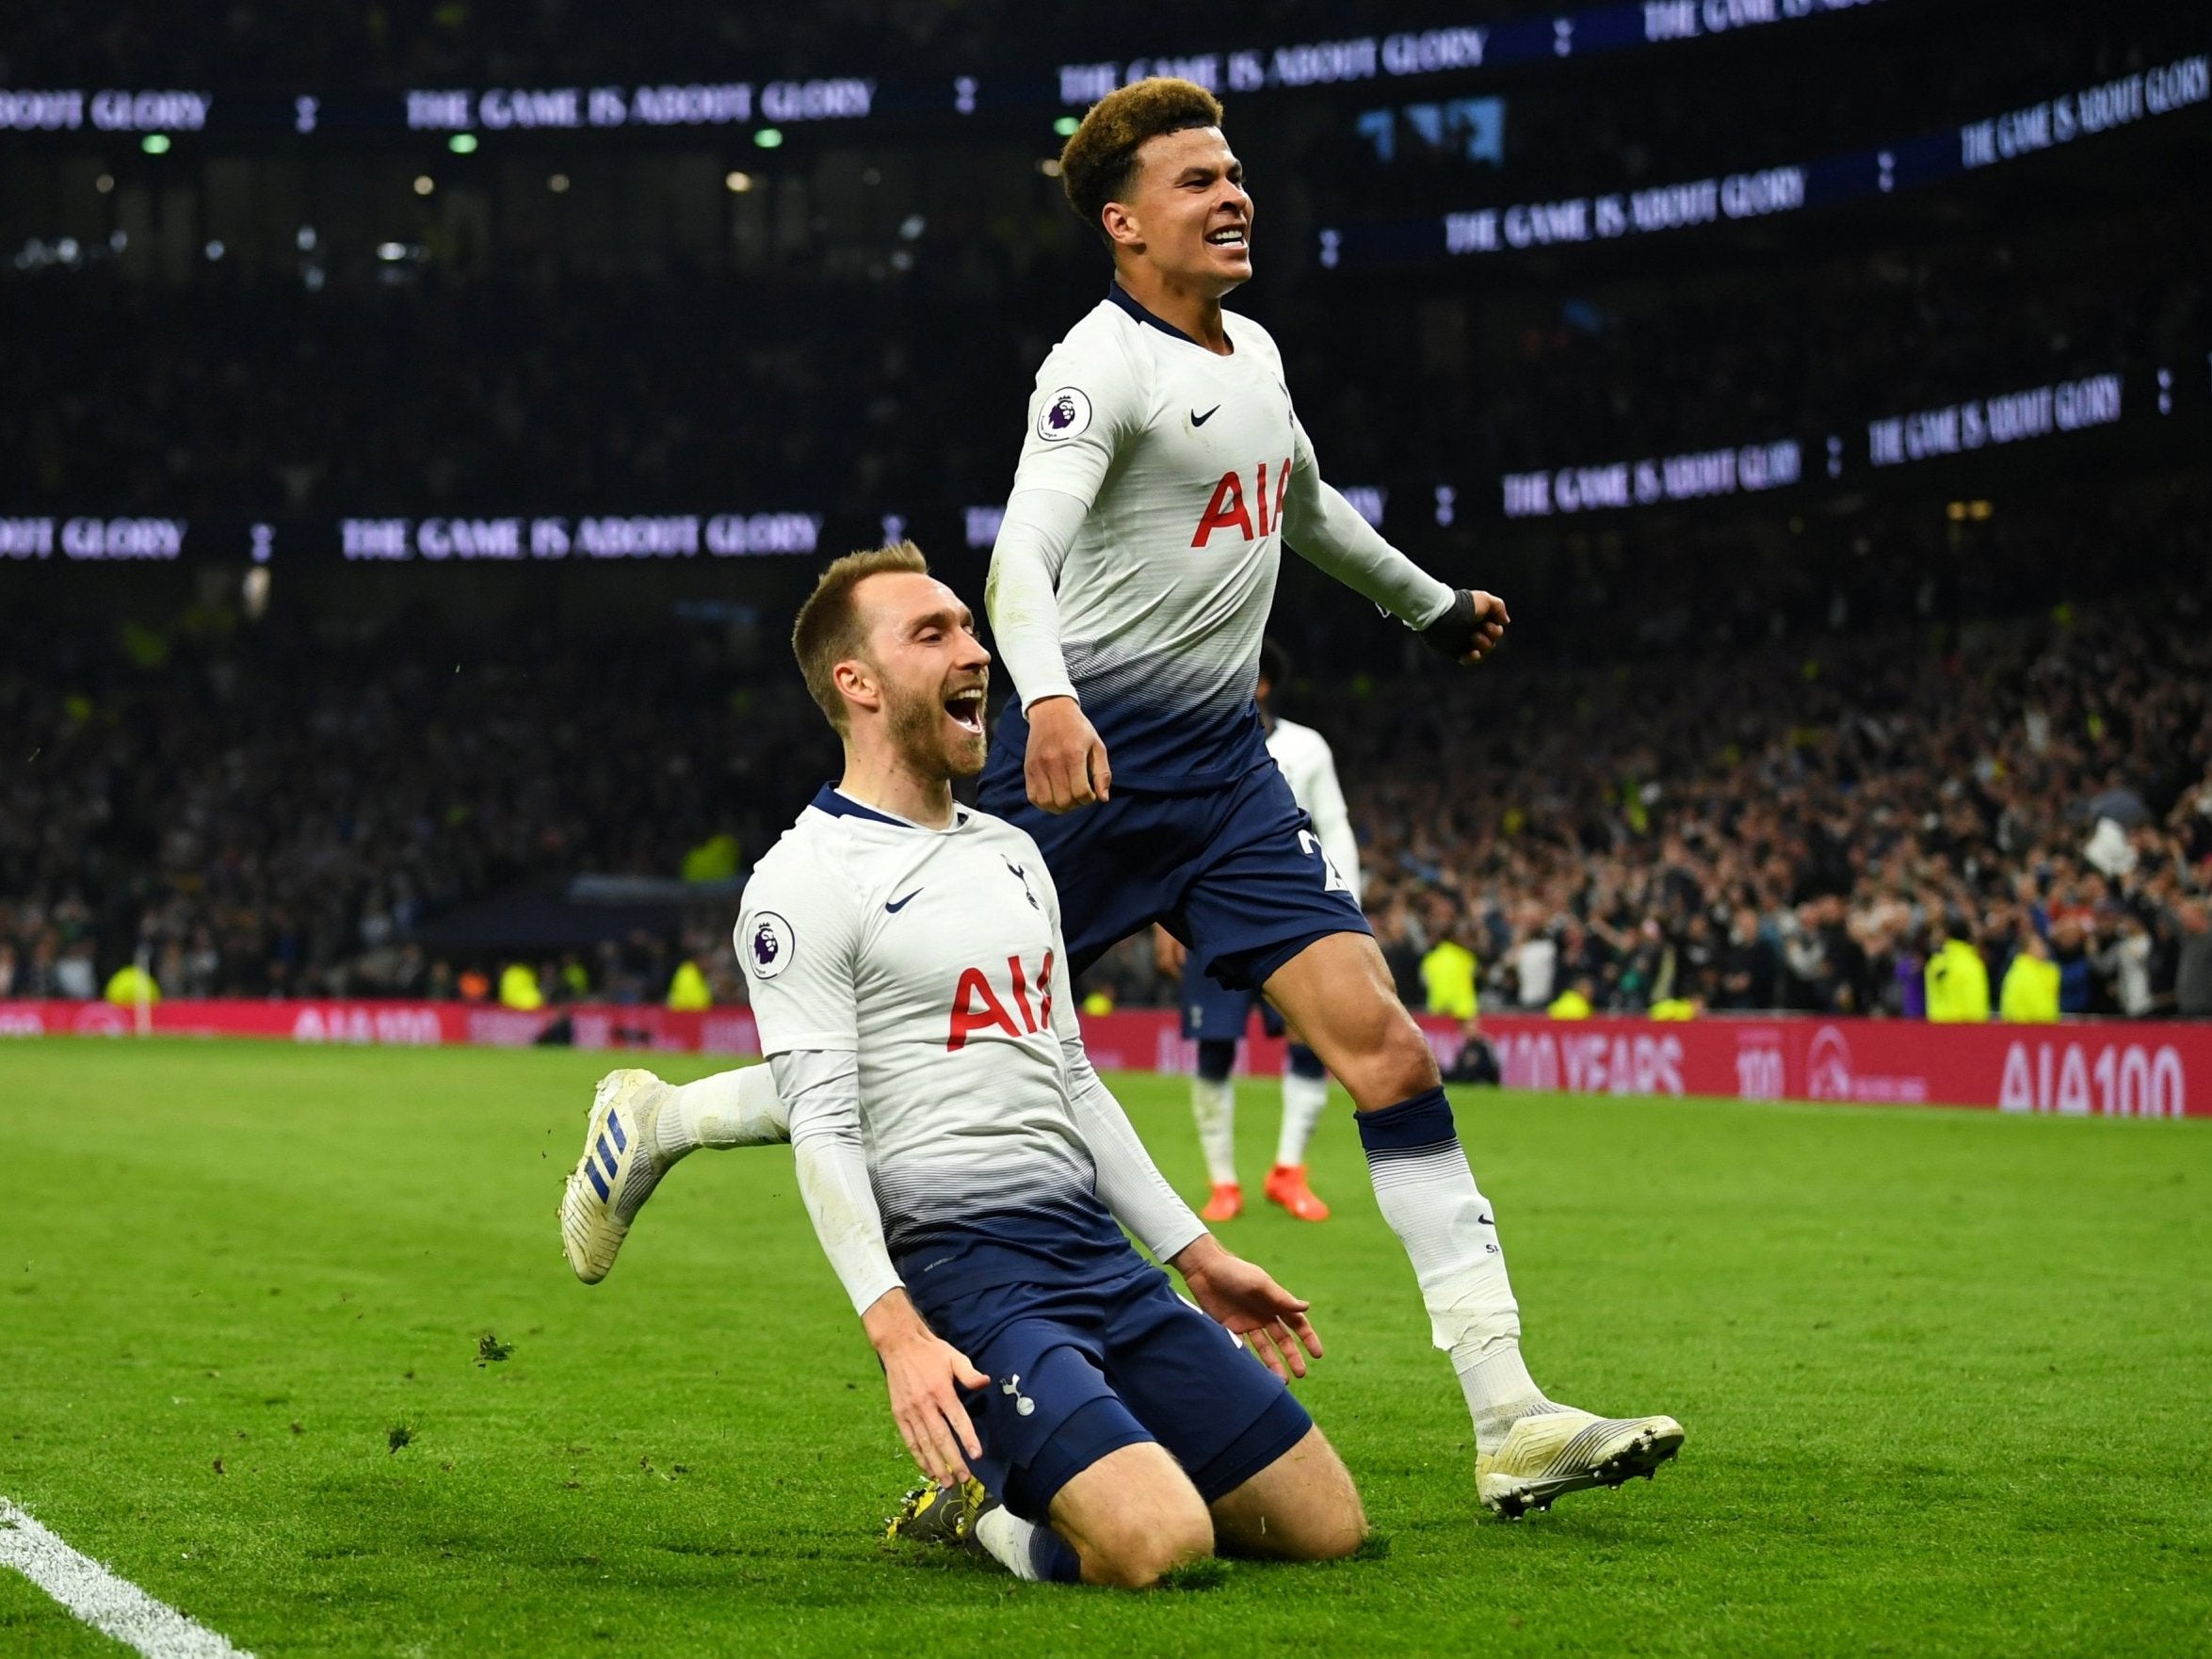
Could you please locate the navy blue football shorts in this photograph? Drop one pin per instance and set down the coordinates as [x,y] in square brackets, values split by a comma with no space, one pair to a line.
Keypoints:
[1238,875]
[1211,1014]
[1077,1372]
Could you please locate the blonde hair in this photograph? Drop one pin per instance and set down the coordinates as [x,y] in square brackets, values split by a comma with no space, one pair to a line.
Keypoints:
[1100,158]
[830,631]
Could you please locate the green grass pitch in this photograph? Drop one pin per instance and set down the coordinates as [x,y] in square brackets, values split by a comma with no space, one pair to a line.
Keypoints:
[1946,1378]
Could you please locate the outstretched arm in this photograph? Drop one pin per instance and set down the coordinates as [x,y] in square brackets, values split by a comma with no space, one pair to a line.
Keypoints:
[1327,532]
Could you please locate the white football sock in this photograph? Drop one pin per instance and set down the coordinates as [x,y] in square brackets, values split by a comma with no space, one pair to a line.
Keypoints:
[1498,1388]
[1023,1548]
[1213,1105]
[1302,1100]
[1426,1192]
[729,1109]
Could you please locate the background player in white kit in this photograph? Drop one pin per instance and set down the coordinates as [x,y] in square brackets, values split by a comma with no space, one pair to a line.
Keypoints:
[1163,472]
[965,1169]
[1216,1020]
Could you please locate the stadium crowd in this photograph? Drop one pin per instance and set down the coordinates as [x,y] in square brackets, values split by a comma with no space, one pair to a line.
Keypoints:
[1796,826]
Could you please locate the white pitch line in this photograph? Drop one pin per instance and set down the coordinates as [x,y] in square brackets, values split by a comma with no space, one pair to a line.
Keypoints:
[112,1605]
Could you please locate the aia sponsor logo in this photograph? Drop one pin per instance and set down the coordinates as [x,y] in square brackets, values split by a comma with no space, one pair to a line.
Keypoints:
[101,1019]
[1828,1067]
[978,1009]
[1252,516]
[1831,1077]
[2112,1079]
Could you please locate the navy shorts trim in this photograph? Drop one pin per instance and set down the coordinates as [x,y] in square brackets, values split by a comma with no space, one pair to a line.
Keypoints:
[1096,1429]
[1264,967]
[1236,874]
[1211,1014]
[1280,1427]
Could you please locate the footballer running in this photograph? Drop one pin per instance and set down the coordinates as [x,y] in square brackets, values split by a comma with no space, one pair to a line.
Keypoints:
[1163,472]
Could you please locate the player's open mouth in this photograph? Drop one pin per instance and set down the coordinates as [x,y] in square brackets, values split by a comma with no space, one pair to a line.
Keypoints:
[966,709]
[1228,237]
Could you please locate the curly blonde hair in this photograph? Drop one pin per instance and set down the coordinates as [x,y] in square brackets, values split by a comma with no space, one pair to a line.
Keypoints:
[1100,158]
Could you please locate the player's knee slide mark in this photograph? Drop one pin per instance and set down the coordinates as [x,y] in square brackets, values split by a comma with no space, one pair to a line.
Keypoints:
[1217,1058]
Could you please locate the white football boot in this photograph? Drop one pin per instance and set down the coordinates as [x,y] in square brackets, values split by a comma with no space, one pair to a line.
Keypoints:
[1557,1449]
[620,1169]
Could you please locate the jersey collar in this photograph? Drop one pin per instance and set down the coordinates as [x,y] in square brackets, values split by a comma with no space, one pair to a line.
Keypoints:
[833,800]
[1127,301]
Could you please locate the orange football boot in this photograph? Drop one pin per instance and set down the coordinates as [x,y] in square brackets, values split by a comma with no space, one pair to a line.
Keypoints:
[1226,1204]
[1286,1185]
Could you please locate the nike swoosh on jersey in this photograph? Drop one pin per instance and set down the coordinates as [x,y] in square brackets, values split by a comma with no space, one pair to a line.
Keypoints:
[894,907]
[1200,420]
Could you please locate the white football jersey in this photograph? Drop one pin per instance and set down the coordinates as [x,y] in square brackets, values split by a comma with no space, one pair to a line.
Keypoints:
[1184,458]
[1309,770]
[935,957]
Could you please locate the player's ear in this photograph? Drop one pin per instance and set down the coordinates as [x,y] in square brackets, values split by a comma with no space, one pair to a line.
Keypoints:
[856,681]
[1120,224]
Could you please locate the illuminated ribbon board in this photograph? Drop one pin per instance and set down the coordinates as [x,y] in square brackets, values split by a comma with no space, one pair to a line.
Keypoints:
[510,539]
[1982,423]
[1789,188]
[1424,52]
[1287,65]
[2054,409]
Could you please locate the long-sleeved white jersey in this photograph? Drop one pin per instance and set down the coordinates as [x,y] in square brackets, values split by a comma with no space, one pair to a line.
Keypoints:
[951,1133]
[1157,488]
